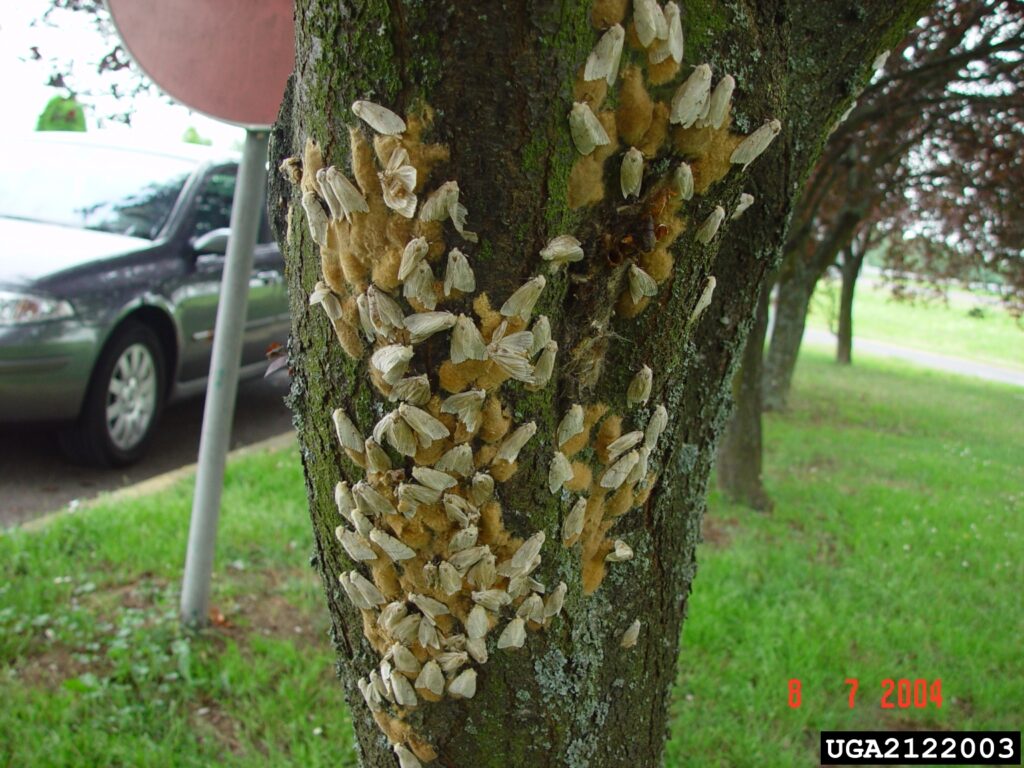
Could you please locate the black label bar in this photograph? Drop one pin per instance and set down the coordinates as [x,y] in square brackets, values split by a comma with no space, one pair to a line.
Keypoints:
[920,748]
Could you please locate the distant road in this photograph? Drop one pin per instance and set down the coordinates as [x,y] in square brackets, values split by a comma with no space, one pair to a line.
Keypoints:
[926,359]
[35,479]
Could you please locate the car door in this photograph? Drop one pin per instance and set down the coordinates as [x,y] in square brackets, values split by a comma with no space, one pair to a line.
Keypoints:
[196,298]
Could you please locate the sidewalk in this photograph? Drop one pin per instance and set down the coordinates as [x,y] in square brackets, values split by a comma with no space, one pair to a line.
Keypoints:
[925,359]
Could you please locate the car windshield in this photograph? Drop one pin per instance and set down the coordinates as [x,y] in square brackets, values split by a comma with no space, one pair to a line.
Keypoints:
[91,187]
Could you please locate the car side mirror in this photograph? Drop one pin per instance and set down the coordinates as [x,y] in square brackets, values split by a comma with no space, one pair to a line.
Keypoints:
[213,242]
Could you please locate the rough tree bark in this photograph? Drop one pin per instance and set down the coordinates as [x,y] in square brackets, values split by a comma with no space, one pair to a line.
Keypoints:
[850,266]
[493,82]
[739,464]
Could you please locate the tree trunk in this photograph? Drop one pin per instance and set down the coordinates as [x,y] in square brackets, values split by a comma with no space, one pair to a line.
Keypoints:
[853,260]
[738,466]
[485,88]
[791,305]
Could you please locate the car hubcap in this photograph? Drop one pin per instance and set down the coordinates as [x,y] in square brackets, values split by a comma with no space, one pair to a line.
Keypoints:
[131,397]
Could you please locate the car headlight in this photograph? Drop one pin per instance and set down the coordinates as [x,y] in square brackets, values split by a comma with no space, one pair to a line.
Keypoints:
[18,308]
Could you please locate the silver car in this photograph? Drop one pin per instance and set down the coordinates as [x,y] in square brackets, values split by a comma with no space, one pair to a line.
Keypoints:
[109,276]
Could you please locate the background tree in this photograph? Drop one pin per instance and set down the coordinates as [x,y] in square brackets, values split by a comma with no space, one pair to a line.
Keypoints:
[605,522]
[62,113]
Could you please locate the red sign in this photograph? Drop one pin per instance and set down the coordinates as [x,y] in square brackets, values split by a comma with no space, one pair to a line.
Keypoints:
[229,59]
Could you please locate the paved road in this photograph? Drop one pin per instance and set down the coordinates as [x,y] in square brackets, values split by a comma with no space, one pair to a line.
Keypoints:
[926,359]
[34,478]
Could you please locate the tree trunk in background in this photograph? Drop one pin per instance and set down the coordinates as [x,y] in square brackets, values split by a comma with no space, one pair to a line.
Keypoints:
[791,304]
[739,464]
[850,269]
[493,82]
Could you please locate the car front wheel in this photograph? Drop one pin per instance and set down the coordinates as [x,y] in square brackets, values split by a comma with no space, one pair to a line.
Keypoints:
[123,404]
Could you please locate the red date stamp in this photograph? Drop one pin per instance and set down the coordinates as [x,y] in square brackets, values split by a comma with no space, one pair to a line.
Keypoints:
[896,694]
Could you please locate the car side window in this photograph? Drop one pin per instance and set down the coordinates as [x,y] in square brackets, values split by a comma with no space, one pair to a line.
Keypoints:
[213,206]
[213,203]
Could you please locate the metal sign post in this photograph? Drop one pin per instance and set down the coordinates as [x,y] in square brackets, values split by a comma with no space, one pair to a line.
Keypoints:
[219,409]
[230,60]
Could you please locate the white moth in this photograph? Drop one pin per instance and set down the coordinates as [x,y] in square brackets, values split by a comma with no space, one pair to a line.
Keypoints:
[640,284]
[378,684]
[397,181]
[364,317]
[620,554]
[431,678]
[481,489]
[385,315]
[518,586]
[616,474]
[572,526]
[463,539]
[746,200]
[347,194]
[478,650]
[522,301]
[348,434]
[377,459]
[370,502]
[448,578]
[356,546]
[513,444]
[705,298]
[414,495]
[467,558]
[405,694]
[625,443]
[344,501]
[570,425]
[393,548]
[513,635]
[528,550]
[361,522]
[709,227]
[427,635]
[333,204]
[391,614]
[458,510]
[631,635]
[545,366]
[414,390]
[532,609]
[458,275]
[718,106]
[691,97]
[439,481]
[541,331]
[477,624]
[880,60]
[554,602]
[639,472]
[672,45]
[392,361]
[631,173]
[316,217]
[366,588]
[463,686]
[755,144]
[559,472]
[381,119]
[491,599]
[327,299]
[587,131]
[451,661]
[457,460]
[370,696]
[444,203]
[408,629]
[649,20]
[467,342]
[406,759]
[425,324]
[683,178]
[562,249]
[420,286]
[640,387]
[483,574]
[423,424]
[428,606]
[467,407]
[353,594]
[404,659]
[415,250]
[603,61]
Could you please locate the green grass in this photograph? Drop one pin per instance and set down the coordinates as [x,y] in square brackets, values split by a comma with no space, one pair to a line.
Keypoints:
[893,551]
[993,337]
